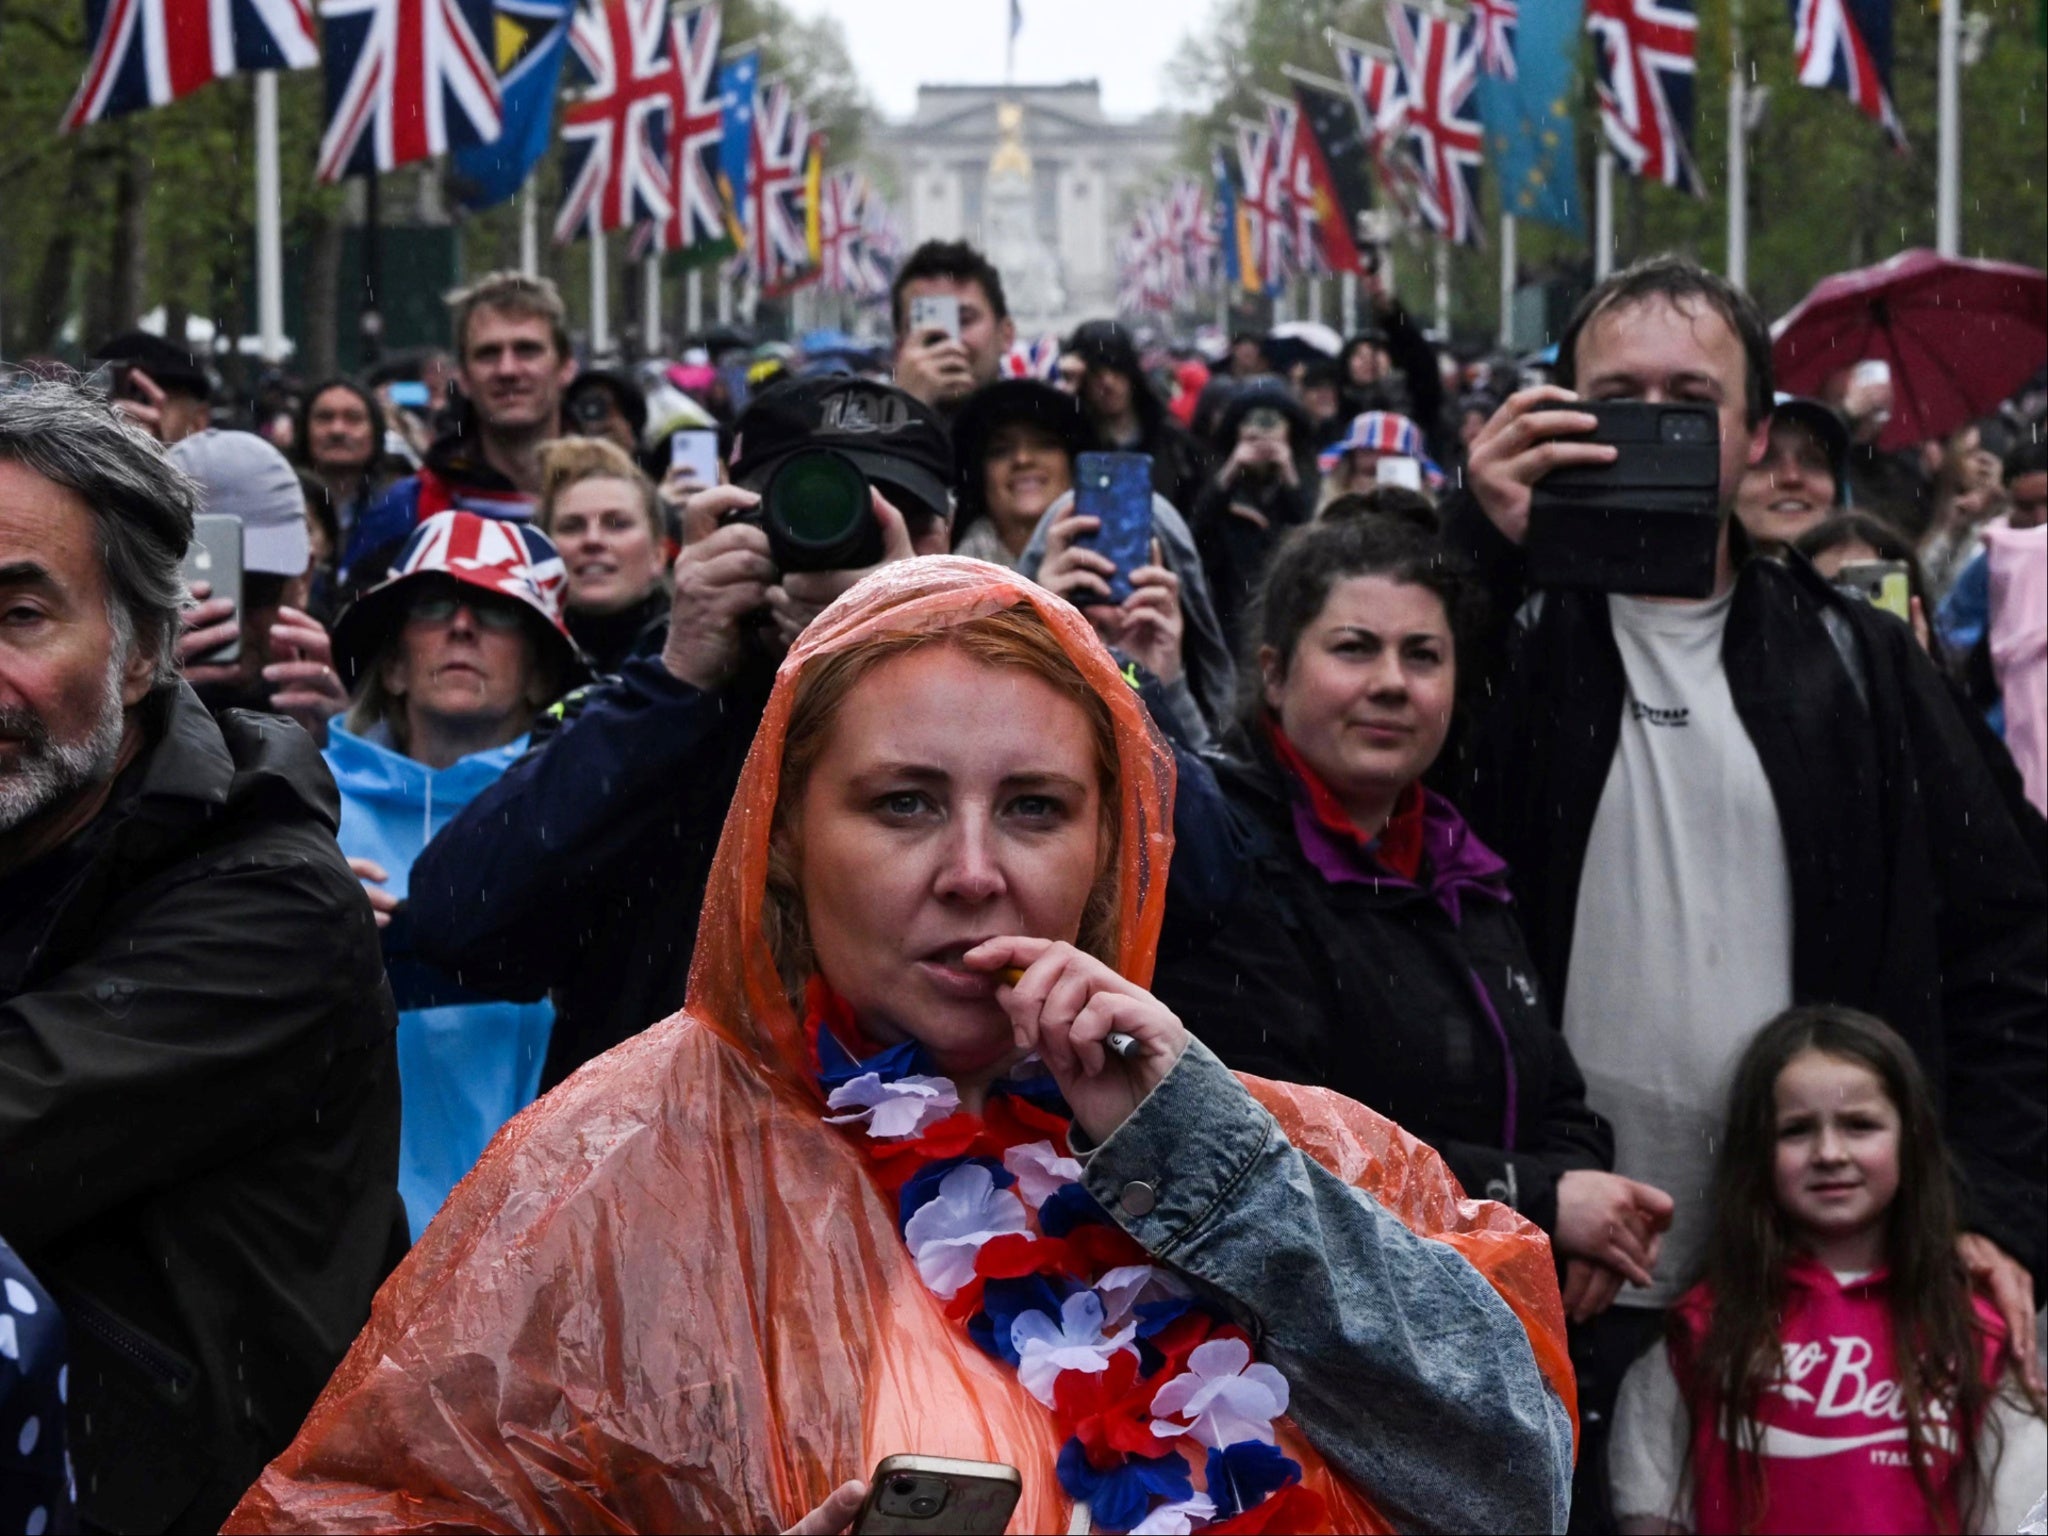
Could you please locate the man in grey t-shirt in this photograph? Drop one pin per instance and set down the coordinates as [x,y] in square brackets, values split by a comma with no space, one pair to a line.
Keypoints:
[1716,809]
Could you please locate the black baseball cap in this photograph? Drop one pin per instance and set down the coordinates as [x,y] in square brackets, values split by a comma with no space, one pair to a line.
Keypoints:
[178,370]
[895,439]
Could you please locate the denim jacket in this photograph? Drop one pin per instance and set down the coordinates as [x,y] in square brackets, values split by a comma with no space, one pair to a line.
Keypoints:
[1405,1367]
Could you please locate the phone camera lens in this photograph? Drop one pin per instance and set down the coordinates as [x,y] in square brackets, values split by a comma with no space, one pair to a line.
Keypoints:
[903,1487]
[1685,429]
[924,1506]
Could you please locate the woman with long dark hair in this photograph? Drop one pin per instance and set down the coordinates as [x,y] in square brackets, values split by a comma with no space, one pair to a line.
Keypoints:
[1831,1370]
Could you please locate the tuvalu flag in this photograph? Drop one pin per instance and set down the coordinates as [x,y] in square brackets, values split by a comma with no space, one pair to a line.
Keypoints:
[529,39]
[1328,136]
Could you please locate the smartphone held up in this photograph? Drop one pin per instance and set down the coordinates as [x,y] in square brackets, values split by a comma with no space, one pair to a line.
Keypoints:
[923,1495]
[1646,524]
[1116,490]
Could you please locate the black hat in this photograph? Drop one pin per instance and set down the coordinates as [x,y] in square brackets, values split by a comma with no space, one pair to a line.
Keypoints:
[1828,429]
[998,404]
[176,369]
[630,398]
[1106,344]
[894,438]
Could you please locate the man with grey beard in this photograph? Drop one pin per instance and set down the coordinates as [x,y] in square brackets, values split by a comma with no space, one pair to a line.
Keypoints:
[198,1070]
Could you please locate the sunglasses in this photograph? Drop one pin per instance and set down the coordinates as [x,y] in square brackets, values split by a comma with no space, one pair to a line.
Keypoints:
[490,613]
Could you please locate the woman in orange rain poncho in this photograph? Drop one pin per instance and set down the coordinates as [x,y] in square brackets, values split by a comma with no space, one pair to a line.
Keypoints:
[674,1296]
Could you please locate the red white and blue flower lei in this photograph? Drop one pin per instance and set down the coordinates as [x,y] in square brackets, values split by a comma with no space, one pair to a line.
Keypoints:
[1146,1380]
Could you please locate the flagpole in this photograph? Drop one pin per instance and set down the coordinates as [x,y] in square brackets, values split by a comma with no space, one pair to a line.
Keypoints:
[600,298]
[1443,289]
[1603,214]
[693,301]
[650,303]
[1738,153]
[269,224]
[529,232]
[724,294]
[1347,302]
[1948,197]
[1507,281]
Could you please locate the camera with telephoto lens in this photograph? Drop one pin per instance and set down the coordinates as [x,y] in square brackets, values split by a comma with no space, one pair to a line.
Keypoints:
[818,512]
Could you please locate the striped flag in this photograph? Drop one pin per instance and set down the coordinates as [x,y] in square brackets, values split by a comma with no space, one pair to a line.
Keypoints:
[146,53]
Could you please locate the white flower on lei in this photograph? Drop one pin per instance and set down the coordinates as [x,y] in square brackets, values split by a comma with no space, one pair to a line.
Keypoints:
[1222,1397]
[1125,1289]
[902,1108]
[1075,1343]
[947,1231]
[1040,1170]
[1177,1519]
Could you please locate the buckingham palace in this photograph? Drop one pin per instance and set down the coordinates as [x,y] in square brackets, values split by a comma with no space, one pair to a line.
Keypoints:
[1037,176]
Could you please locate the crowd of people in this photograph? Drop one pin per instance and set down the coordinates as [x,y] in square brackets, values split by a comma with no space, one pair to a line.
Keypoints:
[1305,1029]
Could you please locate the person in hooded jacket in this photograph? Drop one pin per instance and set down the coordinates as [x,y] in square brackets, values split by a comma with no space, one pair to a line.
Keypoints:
[198,1078]
[1265,486]
[450,659]
[1126,414]
[1363,938]
[889,1184]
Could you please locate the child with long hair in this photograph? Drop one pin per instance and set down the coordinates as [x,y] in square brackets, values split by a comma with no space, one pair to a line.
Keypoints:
[1831,1371]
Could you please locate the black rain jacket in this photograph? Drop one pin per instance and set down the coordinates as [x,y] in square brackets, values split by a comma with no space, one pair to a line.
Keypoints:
[198,1110]
[1374,989]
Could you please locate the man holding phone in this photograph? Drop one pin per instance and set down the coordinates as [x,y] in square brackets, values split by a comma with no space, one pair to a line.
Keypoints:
[160,386]
[1715,809]
[952,324]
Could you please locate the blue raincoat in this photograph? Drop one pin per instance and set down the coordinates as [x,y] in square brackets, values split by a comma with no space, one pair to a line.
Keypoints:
[466,1068]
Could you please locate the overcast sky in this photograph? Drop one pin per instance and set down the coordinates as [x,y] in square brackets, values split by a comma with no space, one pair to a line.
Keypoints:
[899,45]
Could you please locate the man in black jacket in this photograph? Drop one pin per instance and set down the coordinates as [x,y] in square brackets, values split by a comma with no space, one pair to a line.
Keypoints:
[1715,810]
[198,1073]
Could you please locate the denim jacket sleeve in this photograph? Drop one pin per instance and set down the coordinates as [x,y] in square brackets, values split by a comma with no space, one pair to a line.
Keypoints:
[1406,1369]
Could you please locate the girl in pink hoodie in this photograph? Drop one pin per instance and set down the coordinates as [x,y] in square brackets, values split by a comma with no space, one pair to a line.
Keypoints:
[1832,1371]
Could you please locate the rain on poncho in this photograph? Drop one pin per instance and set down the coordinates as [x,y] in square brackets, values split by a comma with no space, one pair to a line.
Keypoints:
[671,1298]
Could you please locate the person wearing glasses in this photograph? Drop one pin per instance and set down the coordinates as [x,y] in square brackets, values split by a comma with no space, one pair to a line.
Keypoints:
[448,662]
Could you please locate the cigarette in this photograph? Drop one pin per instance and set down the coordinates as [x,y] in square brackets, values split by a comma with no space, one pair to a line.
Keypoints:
[1119,1044]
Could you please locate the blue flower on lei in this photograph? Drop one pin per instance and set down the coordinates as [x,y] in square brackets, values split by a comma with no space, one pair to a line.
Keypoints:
[1119,1498]
[1245,1474]
[838,1067]
[1004,1301]
[923,1186]
[1068,1207]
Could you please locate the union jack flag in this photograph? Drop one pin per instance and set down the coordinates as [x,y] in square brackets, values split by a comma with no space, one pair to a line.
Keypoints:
[515,560]
[615,135]
[1495,22]
[1298,184]
[1038,360]
[1375,82]
[777,247]
[406,79]
[1194,231]
[146,53]
[696,211]
[1646,55]
[1439,65]
[843,263]
[1261,203]
[1846,46]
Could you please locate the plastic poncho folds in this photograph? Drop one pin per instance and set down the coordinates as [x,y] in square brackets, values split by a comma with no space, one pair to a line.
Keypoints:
[464,1068]
[671,1298]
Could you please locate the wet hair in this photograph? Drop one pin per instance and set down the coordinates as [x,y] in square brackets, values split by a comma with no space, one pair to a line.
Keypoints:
[1415,508]
[302,422]
[2028,458]
[953,259]
[570,461]
[1306,568]
[141,504]
[1685,284]
[1017,636]
[1937,1343]
[510,293]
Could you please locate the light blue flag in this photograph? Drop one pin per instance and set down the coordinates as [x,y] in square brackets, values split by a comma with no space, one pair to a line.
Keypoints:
[530,39]
[1528,117]
[737,78]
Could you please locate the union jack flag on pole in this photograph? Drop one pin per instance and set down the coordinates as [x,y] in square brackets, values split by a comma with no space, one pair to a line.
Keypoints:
[1495,22]
[615,135]
[1846,46]
[406,80]
[1374,80]
[697,213]
[147,53]
[1646,60]
[1439,67]
[1298,187]
[777,249]
[1261,203]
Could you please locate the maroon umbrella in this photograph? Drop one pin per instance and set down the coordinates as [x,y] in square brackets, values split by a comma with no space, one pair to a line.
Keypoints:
[1960,337]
